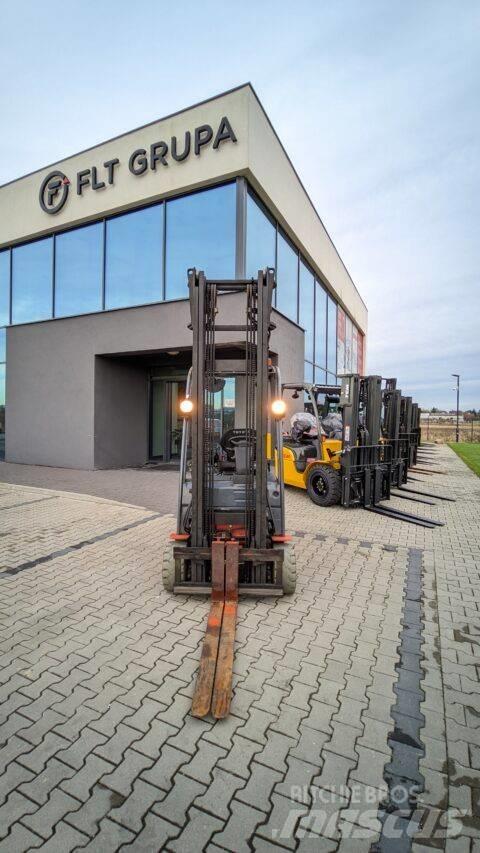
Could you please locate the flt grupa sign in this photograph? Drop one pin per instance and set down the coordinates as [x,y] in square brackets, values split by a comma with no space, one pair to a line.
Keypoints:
[56,185]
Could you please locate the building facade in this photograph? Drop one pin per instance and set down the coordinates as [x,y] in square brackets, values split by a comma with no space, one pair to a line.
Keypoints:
[94,252]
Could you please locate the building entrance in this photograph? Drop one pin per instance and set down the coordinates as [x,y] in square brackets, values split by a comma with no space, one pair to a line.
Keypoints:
[166,421]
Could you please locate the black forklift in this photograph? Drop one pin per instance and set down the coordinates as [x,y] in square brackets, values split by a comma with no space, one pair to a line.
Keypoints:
[230,534]
[390,431]
[400,428]
[370,463]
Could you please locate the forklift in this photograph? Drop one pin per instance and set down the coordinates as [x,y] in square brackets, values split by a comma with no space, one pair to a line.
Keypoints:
[390,430]
[400,428]
[351,468]
[358,469]
[230,533]
[313,462]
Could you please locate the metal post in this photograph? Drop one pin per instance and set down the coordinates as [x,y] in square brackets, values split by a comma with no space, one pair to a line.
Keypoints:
[241,228]
[457,377]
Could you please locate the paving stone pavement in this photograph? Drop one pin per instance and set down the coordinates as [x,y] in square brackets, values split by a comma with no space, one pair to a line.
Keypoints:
[149,487]
[98,750]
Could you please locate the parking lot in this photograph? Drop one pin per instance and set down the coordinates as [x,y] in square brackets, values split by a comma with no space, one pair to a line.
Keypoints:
[355,715]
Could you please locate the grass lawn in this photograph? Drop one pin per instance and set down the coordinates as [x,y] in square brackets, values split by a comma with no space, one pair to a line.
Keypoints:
[470,453]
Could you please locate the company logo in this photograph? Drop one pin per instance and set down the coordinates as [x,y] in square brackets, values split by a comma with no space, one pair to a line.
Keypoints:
[153,158]
[54,192]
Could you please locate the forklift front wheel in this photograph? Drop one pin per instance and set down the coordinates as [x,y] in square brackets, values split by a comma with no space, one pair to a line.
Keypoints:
[289,569]
[324,485]
[168,565]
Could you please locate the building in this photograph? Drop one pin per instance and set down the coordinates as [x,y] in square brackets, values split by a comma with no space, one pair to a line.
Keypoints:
[94,252]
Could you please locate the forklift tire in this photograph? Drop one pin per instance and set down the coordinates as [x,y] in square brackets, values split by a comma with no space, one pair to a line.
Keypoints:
[289,569]
[324,485]
[168,565]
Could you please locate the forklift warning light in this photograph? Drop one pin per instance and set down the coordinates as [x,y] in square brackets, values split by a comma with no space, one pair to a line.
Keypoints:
[186,406]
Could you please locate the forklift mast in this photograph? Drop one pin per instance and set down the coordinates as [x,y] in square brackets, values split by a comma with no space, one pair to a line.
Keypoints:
[391,415]
[366,462]
[205,373]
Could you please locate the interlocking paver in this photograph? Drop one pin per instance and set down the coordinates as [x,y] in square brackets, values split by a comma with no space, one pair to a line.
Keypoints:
[75,754]
[197,832]
[282,822]
[238,759]
[219,794]
[15,807]
[201,765]
[151,743]
[177,802]
[82,782]
[37,757]
[154,836]
[240,828]
[86,816]
[110,838]
[44,820]
[39,787]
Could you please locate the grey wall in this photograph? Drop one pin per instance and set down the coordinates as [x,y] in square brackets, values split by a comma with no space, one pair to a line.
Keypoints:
[66,407]
[121,413]
[51,406]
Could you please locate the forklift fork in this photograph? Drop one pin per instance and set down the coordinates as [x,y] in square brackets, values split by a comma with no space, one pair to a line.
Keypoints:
[213,690]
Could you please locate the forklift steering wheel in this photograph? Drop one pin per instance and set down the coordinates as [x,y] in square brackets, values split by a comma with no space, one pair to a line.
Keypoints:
[233,437]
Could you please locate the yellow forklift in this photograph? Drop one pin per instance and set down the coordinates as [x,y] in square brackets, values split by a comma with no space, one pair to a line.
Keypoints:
[311,457]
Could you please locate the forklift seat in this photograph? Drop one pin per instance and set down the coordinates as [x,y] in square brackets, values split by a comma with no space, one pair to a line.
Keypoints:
[302,452]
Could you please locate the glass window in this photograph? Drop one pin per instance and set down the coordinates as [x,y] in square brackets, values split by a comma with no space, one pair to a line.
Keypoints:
[228,404]
[201,234]
[307,308]
[320,326]
[261,237]
[79,270]
[2,411]
[3,345]
[4,288]
[157,433]
[332,336]
[341,322]
[359,352]
[134,254]
[320,376]
[354,350]
[348,344]
[32,267]
[287,275]
[308,372]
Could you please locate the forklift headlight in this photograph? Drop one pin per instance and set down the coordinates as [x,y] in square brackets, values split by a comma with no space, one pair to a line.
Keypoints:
[279,407]
[186,406]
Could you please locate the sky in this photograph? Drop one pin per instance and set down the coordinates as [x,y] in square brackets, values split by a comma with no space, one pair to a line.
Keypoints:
[375,101]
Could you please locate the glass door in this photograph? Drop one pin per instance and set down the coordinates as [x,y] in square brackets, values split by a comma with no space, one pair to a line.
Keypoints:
[176,392]
[165,420]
